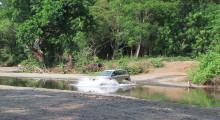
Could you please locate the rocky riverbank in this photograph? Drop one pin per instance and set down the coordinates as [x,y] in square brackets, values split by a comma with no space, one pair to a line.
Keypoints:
[41,104]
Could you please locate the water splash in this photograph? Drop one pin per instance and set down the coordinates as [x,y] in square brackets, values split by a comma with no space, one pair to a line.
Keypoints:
[97,82]
[99,85]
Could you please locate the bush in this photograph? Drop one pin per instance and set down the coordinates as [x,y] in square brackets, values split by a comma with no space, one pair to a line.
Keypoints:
[110,65]
[157,62]
[61,67]
[131,64]
[83,57]
[138,68]
[9,57]
[208,68]
[133,70]
[32,66]
[96,60]
[92,67]
[125,60]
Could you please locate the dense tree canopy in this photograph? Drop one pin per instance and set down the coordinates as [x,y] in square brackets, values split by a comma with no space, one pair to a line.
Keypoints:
[74,31]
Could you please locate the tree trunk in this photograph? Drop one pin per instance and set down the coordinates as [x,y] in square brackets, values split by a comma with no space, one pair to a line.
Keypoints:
[36,53]
[138,50]
[36,50]
[115,49]
[70,63]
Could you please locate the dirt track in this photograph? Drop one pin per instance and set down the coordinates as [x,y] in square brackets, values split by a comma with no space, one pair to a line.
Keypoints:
[172,74]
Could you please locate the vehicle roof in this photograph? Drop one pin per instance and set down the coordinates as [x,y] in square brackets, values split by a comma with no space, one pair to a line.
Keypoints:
[116,70]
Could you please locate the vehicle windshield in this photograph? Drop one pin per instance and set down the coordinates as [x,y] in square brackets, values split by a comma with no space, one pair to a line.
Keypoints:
[106,73]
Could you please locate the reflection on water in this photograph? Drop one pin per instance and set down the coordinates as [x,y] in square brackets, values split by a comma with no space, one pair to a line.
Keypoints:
[198,97]
[51,84]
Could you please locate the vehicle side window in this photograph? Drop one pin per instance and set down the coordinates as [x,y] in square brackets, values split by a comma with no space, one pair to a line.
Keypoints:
[122,72]
[119,72]
[114,73]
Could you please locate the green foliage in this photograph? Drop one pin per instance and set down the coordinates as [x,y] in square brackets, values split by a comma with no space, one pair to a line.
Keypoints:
[202,26]
[52,84]
[61,67]
[96,60]
[31,64]
[82,57]
[202,99]
[125,60]
[157,62]
[138,68]
[133,65]
[72,32]
[60,26]
[11,52]
[208,68]
[118,54]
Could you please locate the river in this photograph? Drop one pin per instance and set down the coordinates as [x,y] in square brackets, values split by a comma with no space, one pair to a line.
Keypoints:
[206,97]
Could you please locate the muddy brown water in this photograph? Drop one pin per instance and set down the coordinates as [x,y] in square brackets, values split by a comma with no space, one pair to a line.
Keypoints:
[209,97]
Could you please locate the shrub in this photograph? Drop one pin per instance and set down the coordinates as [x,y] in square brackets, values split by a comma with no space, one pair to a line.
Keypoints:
[131,64]
[61,67]
[208,68]
[133,70]
[137,68]
[83,57]
[157,62]
[32,66]
[96,60]
[92,67]
[125,60]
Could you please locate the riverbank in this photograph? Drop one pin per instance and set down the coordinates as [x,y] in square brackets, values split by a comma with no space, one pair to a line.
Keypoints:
[143,80]
[172,74]
[39,104]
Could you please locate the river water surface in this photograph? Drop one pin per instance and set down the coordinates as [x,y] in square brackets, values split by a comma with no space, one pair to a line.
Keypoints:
[209,97]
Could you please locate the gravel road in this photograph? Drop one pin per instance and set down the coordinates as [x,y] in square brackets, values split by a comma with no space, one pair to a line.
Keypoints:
[18,103]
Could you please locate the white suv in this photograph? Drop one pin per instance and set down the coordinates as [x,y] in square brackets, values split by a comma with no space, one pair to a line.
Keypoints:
[118,74]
